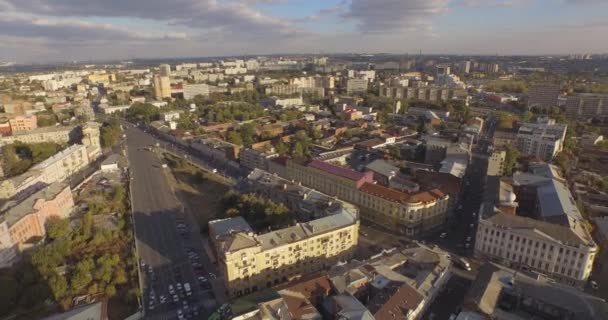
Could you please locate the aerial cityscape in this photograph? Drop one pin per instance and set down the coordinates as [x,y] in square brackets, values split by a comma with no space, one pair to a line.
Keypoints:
[303,160]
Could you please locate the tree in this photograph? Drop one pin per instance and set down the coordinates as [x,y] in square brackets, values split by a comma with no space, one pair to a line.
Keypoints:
[512,154]
[248,134]
[142,112]
[235,138]
[110,134]
[8,294]
[57,228]
[281,148]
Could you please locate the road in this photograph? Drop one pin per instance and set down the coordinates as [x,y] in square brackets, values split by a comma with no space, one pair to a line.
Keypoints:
[160,245]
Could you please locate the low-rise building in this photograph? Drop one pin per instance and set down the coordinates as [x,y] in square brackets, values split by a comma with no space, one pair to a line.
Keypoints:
[23,123]
[496,163]
[502,293]
[551,239]
[58,134]
[108,109]
[22,223]
[252,158]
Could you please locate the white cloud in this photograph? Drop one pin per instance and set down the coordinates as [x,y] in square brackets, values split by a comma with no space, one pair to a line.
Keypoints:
[394,15]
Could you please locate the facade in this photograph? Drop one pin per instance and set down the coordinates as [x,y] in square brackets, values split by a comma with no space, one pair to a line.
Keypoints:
[587,105]
[58,134]
[251,158]
[250,262]
[162,87]
[432,94]
[356,86]
[107,109]
[409,213]
[541,140]
[101,78]
[193,90]
[496,163]
[23,123]
[560,252]
[54,169]
[543,97]
[542,232]
[24,221]
[165,70]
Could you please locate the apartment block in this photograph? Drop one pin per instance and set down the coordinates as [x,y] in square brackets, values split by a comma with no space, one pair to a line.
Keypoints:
[356,86]
[23,123]
[22,223]
[251,158]
[54,169]
[192,90]
[587,105]
[543,97]
[162,87]
[541,140]
[58,134]
[434,94]
[250,262]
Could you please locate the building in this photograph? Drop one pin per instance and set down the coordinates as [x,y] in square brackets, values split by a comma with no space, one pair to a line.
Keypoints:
[107,109]
[543,97]
[503,293]
[504,137]
[192,90]
[356,86]
[587,105]
[409,213]
[54,169]
[496,163]
[251,158]
[170,116]
[22,223]
[543,231]
[57,134]
[101,78]
[162,87]
[91,138]
[430,93]
[541,140]
[250,262]
[164,70]
[23,123]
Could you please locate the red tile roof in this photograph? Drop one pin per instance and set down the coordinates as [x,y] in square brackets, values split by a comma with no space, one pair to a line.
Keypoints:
[401,197]
[395,301]
[338,171]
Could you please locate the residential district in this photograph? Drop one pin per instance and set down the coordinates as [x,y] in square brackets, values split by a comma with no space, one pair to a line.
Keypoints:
[306,187]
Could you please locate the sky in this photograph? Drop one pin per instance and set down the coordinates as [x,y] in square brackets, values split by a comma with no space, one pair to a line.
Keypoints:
[85,30]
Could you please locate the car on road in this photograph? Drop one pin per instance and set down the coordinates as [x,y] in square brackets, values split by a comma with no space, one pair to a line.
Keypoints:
[212,276]
[171,290]
[187,289]
[180,314]
[175,298]
[461,262]
[594,285]
[443,235]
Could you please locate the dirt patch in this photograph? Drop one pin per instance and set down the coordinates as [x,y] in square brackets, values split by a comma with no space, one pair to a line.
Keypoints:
[200,191]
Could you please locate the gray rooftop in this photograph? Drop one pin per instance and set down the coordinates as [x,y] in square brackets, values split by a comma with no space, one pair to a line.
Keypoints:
[13,211]
[227,226]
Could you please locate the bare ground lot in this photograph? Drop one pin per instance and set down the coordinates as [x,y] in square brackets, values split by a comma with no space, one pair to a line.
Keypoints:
[200,191]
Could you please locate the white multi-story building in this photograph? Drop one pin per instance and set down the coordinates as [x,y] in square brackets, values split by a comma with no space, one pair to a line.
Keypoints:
[356,86]
[541,140]
[193,90]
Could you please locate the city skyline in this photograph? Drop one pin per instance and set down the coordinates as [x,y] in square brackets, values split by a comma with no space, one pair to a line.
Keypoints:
[64,30]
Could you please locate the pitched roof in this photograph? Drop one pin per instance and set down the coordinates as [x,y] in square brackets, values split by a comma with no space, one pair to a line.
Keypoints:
[401,197]
[338,171]
[395,301]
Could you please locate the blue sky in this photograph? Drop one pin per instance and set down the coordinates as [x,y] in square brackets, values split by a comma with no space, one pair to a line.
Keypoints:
[54,30]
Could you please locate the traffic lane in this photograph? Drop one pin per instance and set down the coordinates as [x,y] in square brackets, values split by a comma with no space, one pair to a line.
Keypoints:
[161,245]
